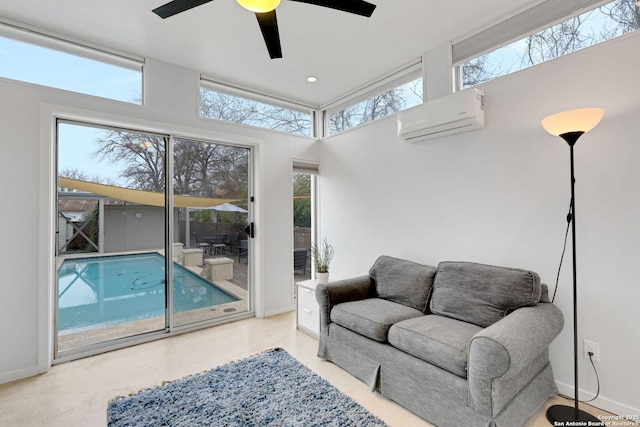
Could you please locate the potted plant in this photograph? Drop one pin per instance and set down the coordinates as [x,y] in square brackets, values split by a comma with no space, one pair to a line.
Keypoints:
[322,255]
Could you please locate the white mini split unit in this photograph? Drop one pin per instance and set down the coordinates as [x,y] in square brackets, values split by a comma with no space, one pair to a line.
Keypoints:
[459,112]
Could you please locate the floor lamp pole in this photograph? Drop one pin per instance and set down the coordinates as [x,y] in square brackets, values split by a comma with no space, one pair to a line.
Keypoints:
[564,413]
[575,282]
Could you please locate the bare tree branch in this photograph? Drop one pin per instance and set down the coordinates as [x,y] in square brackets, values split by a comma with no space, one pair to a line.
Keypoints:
[606,22]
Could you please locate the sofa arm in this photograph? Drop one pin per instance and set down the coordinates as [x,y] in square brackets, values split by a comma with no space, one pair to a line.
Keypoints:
[503,349]
[330,294]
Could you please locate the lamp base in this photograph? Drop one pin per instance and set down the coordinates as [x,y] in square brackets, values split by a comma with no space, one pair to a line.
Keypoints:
[564,416]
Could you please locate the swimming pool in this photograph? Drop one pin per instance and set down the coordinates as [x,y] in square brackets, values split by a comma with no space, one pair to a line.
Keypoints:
[109,290]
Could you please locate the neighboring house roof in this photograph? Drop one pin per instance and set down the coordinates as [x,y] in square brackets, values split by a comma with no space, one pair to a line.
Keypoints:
[74,209]
[76,205]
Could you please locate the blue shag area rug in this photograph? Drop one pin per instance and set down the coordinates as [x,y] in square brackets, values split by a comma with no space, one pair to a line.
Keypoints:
[270,389]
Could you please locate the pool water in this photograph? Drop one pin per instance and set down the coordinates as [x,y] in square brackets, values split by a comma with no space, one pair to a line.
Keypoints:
[102,291]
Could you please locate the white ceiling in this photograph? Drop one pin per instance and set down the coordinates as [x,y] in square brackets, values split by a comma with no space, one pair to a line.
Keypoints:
[223,40]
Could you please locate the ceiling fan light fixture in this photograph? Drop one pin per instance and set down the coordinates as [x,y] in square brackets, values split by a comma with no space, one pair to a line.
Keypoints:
[259,6]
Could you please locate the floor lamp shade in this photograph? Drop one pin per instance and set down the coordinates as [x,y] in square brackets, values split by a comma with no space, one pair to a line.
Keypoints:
[570,125]
[580,120]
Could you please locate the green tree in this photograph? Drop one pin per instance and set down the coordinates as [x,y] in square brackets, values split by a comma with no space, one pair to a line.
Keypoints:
[92,220]
[301,200]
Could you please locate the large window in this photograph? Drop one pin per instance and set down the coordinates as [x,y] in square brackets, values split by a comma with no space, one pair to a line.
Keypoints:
[47,61]
[586,29]
[221,104]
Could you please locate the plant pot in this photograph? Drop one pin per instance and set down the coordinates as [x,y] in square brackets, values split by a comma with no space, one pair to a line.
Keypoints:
[322,277]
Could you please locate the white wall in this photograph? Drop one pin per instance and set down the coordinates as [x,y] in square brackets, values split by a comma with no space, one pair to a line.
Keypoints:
[500,195]
[26,170]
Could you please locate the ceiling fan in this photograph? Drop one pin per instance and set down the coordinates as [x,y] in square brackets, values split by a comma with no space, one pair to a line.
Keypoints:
[265,11]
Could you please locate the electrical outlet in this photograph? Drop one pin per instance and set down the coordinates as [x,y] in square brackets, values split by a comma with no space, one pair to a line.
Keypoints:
[593,347]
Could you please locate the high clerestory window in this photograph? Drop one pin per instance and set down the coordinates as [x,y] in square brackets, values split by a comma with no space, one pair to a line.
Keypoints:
[240,106]
[49,60]
[478,60]
[400,90]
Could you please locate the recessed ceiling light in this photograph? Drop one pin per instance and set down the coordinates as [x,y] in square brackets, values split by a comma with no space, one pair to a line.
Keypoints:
[312,79]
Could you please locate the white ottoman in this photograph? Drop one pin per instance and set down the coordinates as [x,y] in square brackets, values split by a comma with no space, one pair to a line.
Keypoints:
[218,268]
[192,256]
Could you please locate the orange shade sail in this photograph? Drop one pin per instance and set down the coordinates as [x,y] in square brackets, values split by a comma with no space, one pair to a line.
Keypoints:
[141,197]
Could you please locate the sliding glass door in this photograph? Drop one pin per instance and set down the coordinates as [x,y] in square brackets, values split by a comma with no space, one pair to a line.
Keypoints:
[211,194]
[118,218]
[110,235]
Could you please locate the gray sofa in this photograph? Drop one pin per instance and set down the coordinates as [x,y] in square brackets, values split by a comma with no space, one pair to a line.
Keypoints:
[462,344]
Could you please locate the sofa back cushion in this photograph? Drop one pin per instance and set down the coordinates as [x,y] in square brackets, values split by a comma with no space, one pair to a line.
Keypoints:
[482,294]
[404,282]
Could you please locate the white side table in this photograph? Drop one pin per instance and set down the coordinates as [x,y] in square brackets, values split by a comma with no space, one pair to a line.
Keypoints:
[308,312]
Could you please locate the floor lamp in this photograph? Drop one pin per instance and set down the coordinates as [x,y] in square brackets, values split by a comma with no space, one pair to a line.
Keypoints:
[571,125]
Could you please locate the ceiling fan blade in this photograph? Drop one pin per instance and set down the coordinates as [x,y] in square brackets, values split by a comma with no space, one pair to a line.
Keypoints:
[269,27]
[359,7]
[176,6]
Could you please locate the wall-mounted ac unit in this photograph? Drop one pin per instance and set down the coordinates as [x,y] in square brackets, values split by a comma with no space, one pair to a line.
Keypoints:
[459,112]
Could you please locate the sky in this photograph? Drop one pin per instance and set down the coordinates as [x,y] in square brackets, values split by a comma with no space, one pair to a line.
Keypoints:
[76,145]
[35,64]
[27,62]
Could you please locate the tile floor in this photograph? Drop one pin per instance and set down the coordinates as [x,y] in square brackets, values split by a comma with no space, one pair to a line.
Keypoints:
[76,393]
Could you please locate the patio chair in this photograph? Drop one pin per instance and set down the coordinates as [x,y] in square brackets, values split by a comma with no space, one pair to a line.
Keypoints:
[243,250]
[219,244]
[300,260]
[233,241]
[206,247]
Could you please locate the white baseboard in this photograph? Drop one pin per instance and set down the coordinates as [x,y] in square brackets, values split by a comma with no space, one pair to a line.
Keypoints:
[600,402]
[20,374]
[280,310]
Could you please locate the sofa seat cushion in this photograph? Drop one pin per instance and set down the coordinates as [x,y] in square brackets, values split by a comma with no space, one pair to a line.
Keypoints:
[482,294]
[401,281]
[438,340]
[372,317]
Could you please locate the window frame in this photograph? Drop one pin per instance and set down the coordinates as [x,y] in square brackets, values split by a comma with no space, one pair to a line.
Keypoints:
[311,168]
[210,83]
[517,27]
[407,73]
[55,42]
